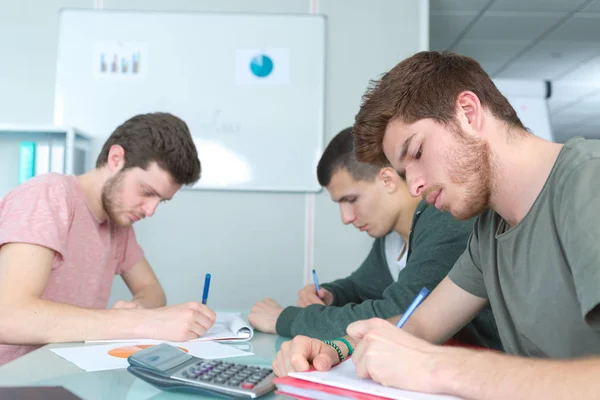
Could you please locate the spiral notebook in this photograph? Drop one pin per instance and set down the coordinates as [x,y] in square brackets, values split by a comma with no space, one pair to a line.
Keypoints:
[228,326]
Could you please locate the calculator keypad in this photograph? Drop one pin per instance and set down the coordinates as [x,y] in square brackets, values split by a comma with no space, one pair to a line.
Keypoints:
[226,374]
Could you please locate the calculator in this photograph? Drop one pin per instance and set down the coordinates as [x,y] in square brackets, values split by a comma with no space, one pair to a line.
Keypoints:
[169,368]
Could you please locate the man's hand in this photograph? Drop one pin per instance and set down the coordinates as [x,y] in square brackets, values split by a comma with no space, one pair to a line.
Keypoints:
[393,357]
[126,304]
[263,316]
[302,352]
[178,323]
[308,295]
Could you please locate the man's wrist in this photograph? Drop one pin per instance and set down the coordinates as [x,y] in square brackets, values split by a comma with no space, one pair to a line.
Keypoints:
[331,298]
[272,324]
[338,350]
[351,340]
[447,365]
[344,346]
[343,342]
[140,319]
[274,327]
[328,298]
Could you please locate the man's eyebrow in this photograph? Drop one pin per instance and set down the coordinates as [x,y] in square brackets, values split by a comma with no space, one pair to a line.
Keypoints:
[405,147]
[158,194]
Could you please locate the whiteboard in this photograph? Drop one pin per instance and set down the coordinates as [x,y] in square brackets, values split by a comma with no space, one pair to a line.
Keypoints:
[249,86]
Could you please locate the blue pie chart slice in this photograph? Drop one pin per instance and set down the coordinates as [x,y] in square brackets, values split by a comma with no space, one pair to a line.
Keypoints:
[261,65]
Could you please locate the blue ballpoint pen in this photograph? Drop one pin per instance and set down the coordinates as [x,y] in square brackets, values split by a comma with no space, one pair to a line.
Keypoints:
[413,306]
[206,287]
[316,281]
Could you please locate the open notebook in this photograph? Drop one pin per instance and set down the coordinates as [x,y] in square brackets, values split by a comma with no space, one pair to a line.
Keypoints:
[228,326]
[341,382]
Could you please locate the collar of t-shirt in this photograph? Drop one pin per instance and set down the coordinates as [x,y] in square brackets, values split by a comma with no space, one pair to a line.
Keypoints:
[395,246]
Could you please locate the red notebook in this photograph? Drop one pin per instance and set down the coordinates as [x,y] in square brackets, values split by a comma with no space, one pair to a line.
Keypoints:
[305,390]
[341,382]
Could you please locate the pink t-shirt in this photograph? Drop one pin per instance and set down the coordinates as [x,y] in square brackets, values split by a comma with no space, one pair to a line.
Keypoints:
[52,211]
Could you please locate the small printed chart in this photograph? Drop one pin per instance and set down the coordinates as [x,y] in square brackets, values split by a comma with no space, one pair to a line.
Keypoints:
[126,351]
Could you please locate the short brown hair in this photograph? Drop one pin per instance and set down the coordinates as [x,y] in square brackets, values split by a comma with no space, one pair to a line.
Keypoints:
[425,85]
[339,154]
[156,137]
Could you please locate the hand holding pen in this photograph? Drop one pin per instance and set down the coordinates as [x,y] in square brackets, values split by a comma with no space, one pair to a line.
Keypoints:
[392,356]
[314,294]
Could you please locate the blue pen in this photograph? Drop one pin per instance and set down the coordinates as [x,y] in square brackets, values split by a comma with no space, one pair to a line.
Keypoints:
[316,281]
[413,306]
[206,287]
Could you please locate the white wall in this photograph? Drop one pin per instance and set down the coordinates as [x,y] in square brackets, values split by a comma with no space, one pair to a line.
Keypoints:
[28,40]
[365,40]
[252,243]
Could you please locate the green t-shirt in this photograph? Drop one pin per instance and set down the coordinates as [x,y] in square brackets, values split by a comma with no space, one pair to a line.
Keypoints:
[542,276]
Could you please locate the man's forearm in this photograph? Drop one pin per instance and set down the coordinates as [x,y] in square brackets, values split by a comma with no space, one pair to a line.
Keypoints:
[489,375]
[41,321]
[151,296]
[412,326]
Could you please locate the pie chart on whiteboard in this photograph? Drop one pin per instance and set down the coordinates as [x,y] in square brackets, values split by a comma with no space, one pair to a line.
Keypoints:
[261,65]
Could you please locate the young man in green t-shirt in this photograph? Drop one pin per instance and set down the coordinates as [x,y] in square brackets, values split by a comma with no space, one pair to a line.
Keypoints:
[415,246]
[534,254]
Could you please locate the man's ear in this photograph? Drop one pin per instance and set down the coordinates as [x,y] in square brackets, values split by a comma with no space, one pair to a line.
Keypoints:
[389,177]
[116,158]
[469,113]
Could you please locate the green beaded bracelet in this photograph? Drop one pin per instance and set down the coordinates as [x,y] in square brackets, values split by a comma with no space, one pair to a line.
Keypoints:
[347,343]
[336,347]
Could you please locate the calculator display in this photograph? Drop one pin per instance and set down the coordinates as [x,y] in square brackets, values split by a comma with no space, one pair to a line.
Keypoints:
[160,358]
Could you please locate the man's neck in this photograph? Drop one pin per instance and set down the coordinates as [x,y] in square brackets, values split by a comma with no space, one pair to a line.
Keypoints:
[521,166]
[92,183]
[404,223]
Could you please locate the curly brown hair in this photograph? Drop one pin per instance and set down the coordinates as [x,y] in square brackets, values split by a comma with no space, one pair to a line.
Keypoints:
[156,137]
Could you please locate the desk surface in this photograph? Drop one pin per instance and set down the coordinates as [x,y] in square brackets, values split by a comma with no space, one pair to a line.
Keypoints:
[44,368]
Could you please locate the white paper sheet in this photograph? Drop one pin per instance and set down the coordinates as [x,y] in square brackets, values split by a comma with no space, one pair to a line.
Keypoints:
[113,356]
[344,376]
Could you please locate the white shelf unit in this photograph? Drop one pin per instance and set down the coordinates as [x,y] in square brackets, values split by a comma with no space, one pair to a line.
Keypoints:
[74,139]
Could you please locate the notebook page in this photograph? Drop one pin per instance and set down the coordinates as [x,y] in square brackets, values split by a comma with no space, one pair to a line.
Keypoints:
[344,376]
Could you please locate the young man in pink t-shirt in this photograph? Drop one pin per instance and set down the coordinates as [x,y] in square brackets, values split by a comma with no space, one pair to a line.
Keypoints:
[63,238]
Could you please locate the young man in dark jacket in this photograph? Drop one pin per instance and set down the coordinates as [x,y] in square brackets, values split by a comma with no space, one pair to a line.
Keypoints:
[415,246]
